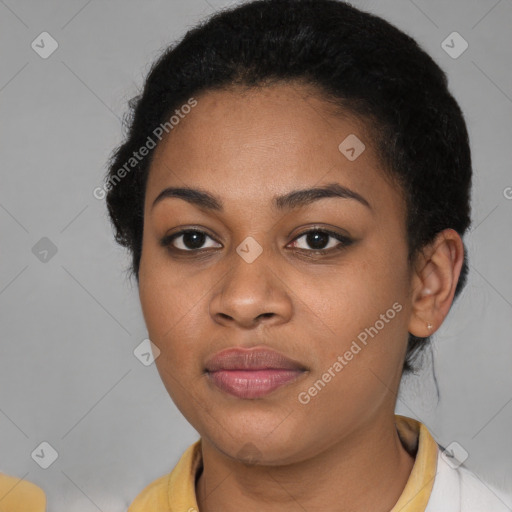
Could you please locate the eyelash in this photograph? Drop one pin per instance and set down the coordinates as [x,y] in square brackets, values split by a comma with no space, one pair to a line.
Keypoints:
[344,241]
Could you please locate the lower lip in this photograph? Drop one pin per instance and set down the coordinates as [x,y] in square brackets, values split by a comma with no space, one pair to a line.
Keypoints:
[252,383]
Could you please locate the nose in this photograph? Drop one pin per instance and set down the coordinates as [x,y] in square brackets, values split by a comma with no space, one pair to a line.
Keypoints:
[251,294]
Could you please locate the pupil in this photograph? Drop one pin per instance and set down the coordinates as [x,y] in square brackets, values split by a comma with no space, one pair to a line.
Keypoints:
[316,236]
[198,239]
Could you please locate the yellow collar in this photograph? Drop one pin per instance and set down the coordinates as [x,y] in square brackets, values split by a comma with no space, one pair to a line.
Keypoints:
[19,495]
[176,491]
[417,439]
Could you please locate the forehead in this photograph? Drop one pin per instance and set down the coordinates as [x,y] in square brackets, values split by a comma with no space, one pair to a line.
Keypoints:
[252,144]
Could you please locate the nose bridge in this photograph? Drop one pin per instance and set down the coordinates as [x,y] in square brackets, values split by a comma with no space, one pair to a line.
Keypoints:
[250,275]
[251,289]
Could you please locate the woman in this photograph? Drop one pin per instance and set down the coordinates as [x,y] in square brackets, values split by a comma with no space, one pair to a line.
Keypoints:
[294,189]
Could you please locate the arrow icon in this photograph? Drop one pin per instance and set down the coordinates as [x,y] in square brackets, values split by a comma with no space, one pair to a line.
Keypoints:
[351,147]
[454,45]
[249,249]
[44,455]
[249,453]
[146,352]
[44,45]
[44,250]
[454,454]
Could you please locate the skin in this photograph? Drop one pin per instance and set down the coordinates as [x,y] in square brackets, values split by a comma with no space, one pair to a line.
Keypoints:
[341,450]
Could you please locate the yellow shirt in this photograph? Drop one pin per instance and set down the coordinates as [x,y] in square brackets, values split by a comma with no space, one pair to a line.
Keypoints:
[175,492]
[17,495]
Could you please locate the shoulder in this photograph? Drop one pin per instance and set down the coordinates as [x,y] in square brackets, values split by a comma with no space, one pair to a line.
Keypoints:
[153,497]
[478,494]
[456,488]
[21,495]
[178,486]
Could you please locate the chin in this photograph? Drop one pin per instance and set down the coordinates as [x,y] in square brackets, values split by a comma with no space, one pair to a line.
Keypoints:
[259,441]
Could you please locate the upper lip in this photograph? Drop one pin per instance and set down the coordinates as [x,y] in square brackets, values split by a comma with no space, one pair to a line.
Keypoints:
[256,358]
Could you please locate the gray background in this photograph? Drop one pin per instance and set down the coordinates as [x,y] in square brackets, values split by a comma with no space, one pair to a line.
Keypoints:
[69,325]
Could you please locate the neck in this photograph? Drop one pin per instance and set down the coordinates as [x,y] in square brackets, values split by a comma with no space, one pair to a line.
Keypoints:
[366,470]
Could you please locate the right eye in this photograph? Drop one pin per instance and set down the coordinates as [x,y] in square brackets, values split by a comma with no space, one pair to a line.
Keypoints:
[192,240]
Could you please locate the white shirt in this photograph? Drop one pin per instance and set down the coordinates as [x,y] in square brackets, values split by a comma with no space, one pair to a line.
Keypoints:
[457,489]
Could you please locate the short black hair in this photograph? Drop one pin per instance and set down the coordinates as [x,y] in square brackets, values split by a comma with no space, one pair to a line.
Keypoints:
[355,60]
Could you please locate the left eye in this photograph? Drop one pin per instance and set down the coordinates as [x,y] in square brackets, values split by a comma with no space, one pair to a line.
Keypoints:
[318,239]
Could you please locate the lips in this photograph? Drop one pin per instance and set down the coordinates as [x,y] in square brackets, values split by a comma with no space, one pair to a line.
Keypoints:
[258,358]
[252,373]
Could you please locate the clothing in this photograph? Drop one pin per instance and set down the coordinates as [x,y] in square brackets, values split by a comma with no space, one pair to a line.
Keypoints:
[17,495]
[434,485]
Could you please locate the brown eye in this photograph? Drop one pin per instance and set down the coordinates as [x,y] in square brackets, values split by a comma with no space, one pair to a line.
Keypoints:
[191,240]
[318,240]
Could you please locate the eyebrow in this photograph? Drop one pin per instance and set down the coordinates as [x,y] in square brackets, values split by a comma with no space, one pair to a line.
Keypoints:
[291,200]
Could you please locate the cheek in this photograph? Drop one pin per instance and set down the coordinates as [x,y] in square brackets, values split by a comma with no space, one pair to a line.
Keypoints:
[360,360]
[364,305]
[173,306]
[171,309]
[164,291]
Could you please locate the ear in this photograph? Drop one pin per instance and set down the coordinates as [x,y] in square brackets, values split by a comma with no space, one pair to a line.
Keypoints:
[434,280]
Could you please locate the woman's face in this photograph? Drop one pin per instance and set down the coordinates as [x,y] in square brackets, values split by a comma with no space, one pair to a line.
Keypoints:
[254,277]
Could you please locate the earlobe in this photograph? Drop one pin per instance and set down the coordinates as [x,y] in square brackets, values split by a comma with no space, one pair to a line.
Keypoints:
[434,282]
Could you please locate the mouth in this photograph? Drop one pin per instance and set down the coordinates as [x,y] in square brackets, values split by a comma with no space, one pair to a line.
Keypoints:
[252,373]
